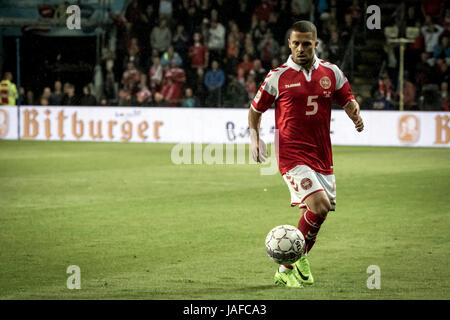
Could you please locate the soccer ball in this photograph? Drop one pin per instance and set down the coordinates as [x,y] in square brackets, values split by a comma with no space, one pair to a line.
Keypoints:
[285,244]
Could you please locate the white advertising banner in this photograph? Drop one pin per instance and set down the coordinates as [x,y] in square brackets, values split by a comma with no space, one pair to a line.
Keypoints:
[207,125]
[8,123]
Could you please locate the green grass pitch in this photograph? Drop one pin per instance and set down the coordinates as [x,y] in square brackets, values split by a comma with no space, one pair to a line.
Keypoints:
[141,227]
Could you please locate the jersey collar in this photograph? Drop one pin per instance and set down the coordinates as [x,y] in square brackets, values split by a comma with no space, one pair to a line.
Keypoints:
[296,67]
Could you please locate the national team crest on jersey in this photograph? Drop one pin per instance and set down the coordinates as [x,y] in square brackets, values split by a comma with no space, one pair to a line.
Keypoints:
[325,82]
[306,183]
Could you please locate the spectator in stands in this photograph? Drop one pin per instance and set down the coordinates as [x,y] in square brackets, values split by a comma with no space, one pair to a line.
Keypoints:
[204,8]
[156,74]
[347,29]
[130,78]
[263,11]
[232,61]
[175,72]
[234,39]
[180,41]
[442,50]
[87,99]
[423,70]
[246,64]
[169,57]
[355,12]
[431,33]
[214,15]
[235,95]
[283,20]
[199,86]
[21,97]
[189,100]
[241,75]
[133,12]
[259,29]
[171,92]
[302,9]
[384,94]
[432,8]
[192,20]
[165,9]
[57,96]
[198,53]
[71,99]
[412,17]
[335,49]
[214,82]
[236,35]
[133,55]
[251,86]
[161,36]
[258,72]
[445,22]
[268,48]
[441,72]
[29,99]
[144,95]
[249,48]
[216,40]
[174,79]
[390,59]
[413,50]
[284,53]
[46,94]
[148,19]
[409,95]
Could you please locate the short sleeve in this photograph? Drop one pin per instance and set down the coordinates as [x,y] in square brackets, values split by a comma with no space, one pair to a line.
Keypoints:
[266,94]
[342,91]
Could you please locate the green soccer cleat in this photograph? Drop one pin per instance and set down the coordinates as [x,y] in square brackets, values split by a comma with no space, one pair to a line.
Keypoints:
[302,271]
[287,279]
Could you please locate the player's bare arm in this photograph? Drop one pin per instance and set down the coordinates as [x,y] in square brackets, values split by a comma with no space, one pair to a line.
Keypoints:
[352,110]
[258,147]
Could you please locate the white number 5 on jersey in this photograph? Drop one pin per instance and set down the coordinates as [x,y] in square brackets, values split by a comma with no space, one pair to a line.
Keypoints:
[313,104]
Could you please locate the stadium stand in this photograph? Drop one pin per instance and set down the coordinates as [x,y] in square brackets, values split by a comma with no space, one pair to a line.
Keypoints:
[169,47]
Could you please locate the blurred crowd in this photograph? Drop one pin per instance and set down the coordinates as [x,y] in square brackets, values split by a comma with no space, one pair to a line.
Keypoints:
[195,53]
[427,59]
[216,53]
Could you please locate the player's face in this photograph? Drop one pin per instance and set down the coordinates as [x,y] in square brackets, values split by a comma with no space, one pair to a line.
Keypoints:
[303,47]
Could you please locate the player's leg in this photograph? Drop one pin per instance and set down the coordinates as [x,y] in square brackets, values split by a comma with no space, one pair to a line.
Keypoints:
[318,206]
[311,219]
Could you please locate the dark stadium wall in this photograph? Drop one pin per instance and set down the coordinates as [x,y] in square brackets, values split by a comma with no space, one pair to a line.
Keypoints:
[47,59]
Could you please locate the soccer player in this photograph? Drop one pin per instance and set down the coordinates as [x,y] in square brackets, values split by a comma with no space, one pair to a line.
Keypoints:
[303,90]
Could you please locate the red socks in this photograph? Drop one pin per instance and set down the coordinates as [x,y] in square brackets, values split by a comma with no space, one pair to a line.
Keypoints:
[309,225]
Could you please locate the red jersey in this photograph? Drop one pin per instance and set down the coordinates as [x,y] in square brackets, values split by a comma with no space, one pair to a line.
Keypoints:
[198,53]
[303,111]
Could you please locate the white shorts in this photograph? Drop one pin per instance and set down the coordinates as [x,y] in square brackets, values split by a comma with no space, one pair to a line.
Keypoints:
[302,182]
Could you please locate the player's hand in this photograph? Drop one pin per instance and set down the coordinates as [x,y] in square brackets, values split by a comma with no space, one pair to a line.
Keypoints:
[353,111]
[359,123]
[259,151]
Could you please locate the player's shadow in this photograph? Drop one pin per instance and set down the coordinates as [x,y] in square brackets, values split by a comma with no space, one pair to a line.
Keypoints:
[213,291]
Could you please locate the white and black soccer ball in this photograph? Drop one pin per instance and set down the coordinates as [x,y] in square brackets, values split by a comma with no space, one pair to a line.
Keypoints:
[285,244]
